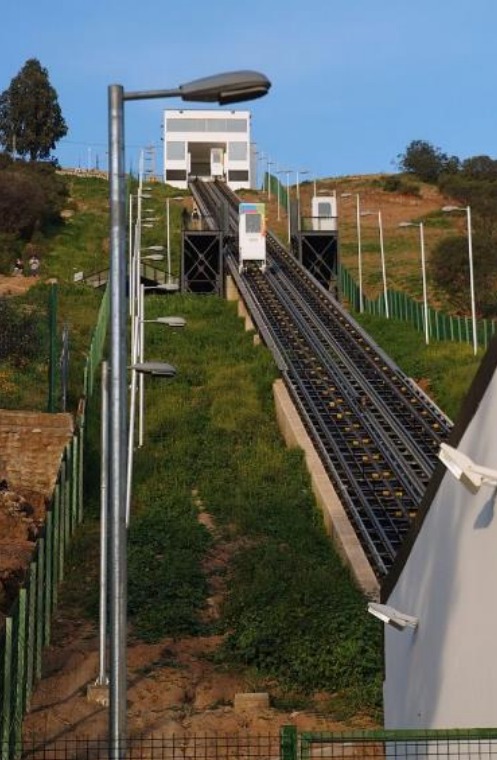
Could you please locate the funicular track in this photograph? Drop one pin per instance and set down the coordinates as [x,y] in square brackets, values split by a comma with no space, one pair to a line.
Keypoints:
[375,430]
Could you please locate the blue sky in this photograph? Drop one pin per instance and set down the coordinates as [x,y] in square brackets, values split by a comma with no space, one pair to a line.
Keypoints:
[354,81]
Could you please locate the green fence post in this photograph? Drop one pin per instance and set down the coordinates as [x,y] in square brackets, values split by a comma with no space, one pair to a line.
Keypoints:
[48,574]
[40,607]
[288,743]
[20,675]
[31,637]
[74,482]
[55,545]
[7,690]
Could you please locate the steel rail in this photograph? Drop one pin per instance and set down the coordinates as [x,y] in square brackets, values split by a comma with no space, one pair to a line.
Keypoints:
[380,455]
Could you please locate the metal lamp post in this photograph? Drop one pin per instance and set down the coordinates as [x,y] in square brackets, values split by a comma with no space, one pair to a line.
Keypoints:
[359,245]
[382,256]
[467,211]
[268,174]
[423,274]
[224,88]
[289,171]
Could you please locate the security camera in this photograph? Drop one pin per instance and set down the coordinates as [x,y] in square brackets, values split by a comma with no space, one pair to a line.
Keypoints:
[391,616]
[471,475]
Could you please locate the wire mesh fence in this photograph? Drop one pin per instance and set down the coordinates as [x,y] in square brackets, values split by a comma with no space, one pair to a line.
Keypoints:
[175,747]
[288,744]
[26,351]
[441,326]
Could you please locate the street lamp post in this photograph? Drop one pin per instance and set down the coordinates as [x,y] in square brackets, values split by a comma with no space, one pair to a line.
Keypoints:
[423,274]
[359,245]
[287,172]
[382,256]
[269,165]
[225,88]
[467,211]
[281,171]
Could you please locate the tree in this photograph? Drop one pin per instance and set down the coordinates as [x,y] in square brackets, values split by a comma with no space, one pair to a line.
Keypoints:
[449,268]
[31,121]
[426,162]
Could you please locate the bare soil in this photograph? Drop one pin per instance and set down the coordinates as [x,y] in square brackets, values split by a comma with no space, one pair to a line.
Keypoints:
[174,686]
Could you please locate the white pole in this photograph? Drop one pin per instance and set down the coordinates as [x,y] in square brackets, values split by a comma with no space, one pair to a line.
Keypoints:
[141,332]
[130,254]
[288,203]
[423,272]
[472,280]
[132,417]
[168,242]
[104,495]
[383,269]
[359,251]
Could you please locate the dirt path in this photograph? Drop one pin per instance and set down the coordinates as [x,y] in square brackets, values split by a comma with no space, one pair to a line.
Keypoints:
[174,686]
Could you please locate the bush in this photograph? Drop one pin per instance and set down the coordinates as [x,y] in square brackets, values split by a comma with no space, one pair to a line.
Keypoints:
[395,183]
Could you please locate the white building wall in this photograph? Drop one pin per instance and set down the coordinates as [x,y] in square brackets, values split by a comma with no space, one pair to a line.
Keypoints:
[444,673]
[197,143]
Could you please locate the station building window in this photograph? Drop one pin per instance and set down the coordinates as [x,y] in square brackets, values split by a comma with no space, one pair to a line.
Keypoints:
[176,174]
[238,175]
[175,151]
[206,125]
[237,151]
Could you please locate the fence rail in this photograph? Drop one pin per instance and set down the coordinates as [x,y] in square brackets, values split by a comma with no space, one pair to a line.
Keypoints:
[27,627]
[288,744]
[401,306]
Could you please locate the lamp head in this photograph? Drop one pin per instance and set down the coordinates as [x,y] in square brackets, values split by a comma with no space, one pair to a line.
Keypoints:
[230,87]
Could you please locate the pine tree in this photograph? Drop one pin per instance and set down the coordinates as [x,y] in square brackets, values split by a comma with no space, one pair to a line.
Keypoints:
[31,121]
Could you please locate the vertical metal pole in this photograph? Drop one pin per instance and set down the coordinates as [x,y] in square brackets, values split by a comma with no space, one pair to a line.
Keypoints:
[278,194]
[288,204]
[472,280]
[141,354]
[130,256]
[52,362]
[383,268]
[423,273]
[168,242]
[117,428]
[359,251]
[132,416]
[104,439]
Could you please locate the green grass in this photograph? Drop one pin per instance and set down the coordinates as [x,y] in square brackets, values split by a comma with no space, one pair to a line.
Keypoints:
[444,369]
[292,615]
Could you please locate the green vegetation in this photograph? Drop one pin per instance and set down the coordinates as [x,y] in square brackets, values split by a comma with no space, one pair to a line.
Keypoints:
[444,370]
[31,122]
[213,457]
[472,183]
[212,447]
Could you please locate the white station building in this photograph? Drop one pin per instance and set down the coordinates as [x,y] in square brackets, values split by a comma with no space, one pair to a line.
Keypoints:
[207,144]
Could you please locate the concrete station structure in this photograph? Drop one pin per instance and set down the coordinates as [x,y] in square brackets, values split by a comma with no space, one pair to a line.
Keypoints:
[208,144]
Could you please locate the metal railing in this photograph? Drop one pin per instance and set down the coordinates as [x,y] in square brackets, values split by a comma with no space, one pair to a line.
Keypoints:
[288,744]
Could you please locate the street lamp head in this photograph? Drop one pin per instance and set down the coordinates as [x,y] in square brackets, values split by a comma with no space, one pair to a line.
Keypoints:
[230,87]
[156,369]
[408,224]
[452,208]
[154,248]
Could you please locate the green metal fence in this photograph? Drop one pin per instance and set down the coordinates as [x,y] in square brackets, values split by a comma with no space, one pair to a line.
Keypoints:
[288,744]
[460,743]
[27,626]
[401,306]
